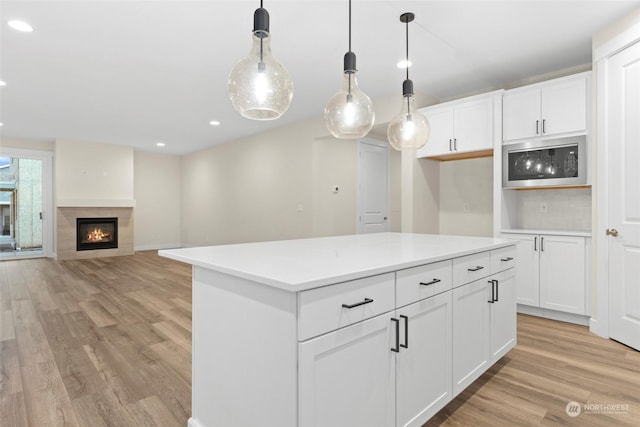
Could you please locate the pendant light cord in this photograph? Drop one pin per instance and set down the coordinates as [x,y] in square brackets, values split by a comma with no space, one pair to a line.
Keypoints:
[349,93]
[349,25]
[261,38]
[407,45]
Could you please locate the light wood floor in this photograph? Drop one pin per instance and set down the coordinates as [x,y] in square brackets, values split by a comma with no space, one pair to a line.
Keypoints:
[107,342]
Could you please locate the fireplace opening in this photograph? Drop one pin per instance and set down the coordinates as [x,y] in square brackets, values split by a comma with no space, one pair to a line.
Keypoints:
[96,233]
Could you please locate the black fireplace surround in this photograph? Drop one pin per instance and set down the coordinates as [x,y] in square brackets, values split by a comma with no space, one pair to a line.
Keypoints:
[96,233]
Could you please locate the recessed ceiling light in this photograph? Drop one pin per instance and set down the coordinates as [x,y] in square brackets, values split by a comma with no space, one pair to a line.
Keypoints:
[20,26]
[214,123]
[403,63]
[160,144]
[2,83]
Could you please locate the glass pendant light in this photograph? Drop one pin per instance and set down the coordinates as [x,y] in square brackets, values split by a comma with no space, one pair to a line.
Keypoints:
[260,88]
[349,113]
[410,129]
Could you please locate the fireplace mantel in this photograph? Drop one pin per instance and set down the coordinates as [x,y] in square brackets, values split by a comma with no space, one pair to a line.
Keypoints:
[96,203]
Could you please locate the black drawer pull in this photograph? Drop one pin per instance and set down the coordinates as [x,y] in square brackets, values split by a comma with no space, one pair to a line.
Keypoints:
[358,304]
[406,331]
[397,347]
[433,282]
[478,268]
[506,259]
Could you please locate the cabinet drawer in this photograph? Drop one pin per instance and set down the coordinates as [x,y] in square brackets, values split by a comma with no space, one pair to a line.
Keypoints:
[471,267]
[503,259]
[332,307]
[414,284]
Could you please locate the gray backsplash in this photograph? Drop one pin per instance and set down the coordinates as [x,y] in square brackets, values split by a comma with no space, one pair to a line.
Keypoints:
[567,209]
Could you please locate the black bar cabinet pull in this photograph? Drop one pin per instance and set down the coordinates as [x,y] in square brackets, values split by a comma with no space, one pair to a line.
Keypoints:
[358,304]
[543,129]
[537,127]
[493,292]
[455,144]
[397,347]
[542,244]
[497,289]
[535,243]
[450,145]
[406,331]
[433,282]
[478,268]
[506,259]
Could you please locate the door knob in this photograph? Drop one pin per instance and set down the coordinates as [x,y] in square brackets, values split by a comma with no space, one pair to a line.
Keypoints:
[612,232]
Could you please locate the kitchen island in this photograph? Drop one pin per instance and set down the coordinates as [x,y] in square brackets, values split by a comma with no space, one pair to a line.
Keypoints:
[363,330]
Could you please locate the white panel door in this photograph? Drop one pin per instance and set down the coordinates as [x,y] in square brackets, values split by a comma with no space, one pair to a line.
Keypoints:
[527,267]
[471,356]
[373,188]
[623,81]
[503,315]
[424,366]
[564,107]
[562,273]
[347,377]
[473,124]
[521,114]
[441,137]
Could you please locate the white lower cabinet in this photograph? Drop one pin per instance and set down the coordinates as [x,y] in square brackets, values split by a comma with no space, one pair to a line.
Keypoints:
[348,377]
[470,333]
[551,272]
[401,367]
[484,326]
[424,365]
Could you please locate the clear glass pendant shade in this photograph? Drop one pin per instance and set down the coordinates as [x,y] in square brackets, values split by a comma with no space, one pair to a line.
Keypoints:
[260,88]
[349,113]
[409,129]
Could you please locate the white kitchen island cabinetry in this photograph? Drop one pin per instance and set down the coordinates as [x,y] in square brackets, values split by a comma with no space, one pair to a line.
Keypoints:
[339,331]
[546,109]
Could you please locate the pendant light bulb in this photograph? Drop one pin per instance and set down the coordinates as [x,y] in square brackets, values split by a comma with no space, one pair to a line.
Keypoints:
[409,129]
[259,87]
[349,113]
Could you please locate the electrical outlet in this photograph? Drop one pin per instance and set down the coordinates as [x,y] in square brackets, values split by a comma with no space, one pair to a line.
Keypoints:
[543,207]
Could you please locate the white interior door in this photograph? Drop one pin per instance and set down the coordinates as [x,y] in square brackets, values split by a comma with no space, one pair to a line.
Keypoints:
[373,187]
[623,73]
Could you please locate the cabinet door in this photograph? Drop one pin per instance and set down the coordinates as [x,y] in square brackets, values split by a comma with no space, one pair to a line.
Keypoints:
[473,125]
[471,355]
[424,367]
[503,315]
[528,274]
[564,107]
[562,273]
[347,377]
[441,137]
[520,112]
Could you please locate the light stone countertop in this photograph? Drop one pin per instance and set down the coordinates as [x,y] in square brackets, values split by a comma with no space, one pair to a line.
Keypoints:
[297,265]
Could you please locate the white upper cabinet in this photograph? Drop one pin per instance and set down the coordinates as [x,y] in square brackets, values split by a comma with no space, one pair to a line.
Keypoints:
[546,109]
[461,126]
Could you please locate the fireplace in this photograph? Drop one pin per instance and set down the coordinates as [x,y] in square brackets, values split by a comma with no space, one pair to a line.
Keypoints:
[96,233]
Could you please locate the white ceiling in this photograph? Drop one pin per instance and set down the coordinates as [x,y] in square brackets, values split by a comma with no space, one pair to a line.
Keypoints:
[139,72]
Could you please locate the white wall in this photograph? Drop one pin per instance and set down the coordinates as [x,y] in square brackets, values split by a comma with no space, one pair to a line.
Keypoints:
[467,182]
[26,144]
[255,189]
[88,173]
[157,194]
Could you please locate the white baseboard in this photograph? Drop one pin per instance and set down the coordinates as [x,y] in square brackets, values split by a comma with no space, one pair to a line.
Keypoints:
[157,247]
[554,315]
[598,328]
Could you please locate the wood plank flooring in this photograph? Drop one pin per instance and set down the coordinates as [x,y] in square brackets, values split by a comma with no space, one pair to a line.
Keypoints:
[107,342]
